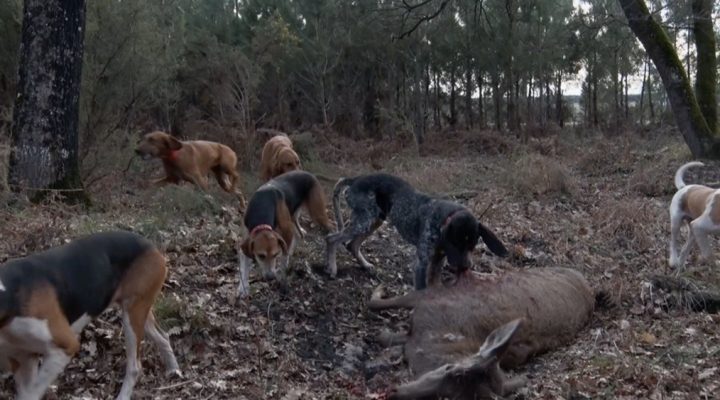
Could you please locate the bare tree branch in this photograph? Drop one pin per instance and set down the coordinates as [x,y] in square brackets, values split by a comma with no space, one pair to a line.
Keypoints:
[409,8]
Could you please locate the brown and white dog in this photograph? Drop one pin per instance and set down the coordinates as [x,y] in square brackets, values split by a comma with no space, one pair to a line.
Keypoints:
[699,206]
[278,157]
[271,223]
[47,298]
[192,161]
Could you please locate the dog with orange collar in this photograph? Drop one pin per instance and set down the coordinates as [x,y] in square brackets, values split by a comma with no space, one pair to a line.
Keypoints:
[192,161]
[438,229]
[47,298]
[270,219]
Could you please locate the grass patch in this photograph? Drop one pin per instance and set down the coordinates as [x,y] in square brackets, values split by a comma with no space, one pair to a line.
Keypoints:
[174,314]
[628,223]
[537,175]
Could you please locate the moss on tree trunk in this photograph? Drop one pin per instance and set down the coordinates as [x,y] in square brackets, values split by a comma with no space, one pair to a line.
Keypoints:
[706,79]
[689,118]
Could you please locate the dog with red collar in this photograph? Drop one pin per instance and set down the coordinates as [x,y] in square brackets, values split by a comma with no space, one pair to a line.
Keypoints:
[47,298]
[439,229]
[270,219]
[192,161]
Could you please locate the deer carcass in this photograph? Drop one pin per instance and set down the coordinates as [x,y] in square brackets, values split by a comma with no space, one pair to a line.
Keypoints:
[461,335]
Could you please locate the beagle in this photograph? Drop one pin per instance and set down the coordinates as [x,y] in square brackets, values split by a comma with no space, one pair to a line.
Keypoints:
[270,221]
[47,298]
[192,161]
[699,206]
[278,157]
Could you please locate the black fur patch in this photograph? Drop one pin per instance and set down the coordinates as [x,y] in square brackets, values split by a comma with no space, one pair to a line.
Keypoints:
[84,273]
[291,187]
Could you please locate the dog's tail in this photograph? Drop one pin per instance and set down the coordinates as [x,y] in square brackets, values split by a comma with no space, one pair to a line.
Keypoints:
[341,184]
[491,241]
[679,183]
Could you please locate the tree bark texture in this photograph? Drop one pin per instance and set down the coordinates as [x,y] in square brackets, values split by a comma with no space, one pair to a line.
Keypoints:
[706,76]
[684,105]
[45,118]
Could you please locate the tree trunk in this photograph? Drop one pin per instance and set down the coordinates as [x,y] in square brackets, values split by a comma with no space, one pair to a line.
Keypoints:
[453,110]
[642,94]
[626,102]
[418,112]
[497,98]
[558,101]
[469,118]
[650,99]
[692,124]
[595,120]
[548,103]
[510,8]
[45,118]
[616,91]
[481,100]
[706,77]
[438,103]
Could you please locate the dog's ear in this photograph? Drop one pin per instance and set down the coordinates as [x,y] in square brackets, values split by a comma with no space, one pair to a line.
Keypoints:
[282,242]
[444,232]
[491,241]
[247,247]
[173,143]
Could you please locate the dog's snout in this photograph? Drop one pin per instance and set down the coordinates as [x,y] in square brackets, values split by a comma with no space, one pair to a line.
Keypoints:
[269,275]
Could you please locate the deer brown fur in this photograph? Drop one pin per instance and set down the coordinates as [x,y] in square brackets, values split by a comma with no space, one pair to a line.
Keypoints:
[450,325]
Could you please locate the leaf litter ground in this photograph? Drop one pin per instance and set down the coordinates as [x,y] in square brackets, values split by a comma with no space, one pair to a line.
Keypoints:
[595,204]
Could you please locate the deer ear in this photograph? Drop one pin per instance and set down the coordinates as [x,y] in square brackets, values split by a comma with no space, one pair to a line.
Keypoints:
[498,341]
[173,143]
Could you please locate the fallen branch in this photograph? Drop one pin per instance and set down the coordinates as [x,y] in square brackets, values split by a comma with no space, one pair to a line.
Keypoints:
[688,293]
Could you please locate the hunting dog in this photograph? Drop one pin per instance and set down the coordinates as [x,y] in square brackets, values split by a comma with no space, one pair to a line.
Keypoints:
[437,228]
[191,161]
[271,221]
[278,157]
[699,206]
[47,298]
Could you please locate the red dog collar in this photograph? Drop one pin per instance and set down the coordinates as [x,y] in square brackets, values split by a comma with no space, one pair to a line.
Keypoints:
[450,217]
[259,228]
[172,156]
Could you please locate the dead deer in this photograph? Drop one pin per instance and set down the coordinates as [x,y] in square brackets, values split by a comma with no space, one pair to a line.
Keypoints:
[460,335]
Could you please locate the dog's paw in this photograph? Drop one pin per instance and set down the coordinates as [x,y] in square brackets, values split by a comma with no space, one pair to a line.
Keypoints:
[332,273]
[174,373]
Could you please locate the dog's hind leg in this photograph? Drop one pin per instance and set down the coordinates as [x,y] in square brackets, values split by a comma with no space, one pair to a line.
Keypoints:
[296,221]
[676,220]
[701,230]
[316,206]
[364,216]
[354,245]
[685,250]
[359,228]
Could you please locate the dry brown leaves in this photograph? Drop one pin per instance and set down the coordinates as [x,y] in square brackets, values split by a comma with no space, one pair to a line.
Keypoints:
[317,341]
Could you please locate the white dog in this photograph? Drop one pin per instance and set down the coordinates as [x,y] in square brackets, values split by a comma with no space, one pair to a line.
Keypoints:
[699,206]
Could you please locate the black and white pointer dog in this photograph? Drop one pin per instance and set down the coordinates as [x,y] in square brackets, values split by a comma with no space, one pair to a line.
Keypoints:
[47,298]
[437,228]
